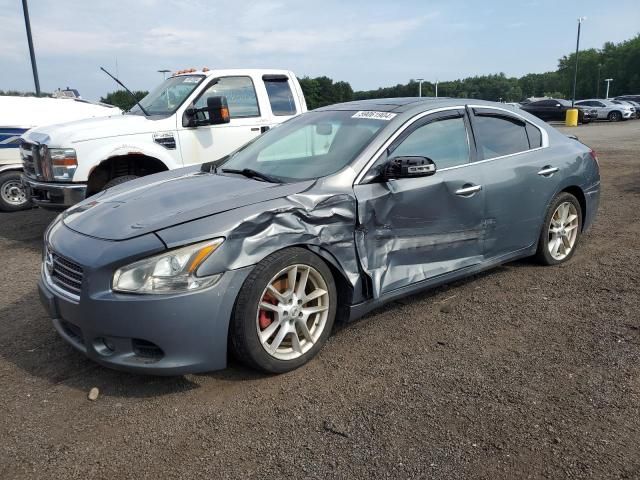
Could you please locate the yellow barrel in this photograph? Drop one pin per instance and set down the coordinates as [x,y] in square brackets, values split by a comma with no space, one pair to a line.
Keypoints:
[572,118]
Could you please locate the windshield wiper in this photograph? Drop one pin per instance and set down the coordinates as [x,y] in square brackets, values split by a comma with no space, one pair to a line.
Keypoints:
[250,173]
[135,99]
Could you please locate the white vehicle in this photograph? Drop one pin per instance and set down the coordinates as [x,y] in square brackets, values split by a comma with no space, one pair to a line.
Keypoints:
[177,124]
[607,110]
[19,114]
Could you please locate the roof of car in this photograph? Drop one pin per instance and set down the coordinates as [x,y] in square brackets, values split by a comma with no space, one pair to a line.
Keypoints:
[404,104]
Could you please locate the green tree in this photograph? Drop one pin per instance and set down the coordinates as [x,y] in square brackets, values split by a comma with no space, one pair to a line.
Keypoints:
[122,99]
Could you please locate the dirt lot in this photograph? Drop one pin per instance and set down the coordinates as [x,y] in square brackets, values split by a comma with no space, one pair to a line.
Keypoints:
[520,372]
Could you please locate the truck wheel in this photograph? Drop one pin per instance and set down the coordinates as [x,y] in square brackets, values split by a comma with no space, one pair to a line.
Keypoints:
[119,180]
[284,312]
[13,196]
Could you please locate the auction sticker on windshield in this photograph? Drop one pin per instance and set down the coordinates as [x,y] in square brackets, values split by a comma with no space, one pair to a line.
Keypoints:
[374,115]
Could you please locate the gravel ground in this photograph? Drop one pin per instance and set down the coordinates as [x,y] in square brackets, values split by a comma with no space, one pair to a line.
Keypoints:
[523,371]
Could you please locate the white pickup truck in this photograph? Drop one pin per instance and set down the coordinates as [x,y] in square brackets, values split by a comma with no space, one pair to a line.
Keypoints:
[19,114]
[191,118]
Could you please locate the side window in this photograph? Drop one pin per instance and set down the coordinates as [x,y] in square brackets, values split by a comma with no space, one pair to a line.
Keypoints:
[535,136]
[240,93]
[497,136]
[280,96]
[443,141]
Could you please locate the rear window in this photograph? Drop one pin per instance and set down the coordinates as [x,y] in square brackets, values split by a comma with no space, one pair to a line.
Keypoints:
[280,96]
[497,136]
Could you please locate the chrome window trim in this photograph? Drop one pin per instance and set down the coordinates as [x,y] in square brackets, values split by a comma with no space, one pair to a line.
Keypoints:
[411,121]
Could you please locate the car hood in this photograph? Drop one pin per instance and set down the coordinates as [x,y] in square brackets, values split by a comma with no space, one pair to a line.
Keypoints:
[66,134]
[167,199]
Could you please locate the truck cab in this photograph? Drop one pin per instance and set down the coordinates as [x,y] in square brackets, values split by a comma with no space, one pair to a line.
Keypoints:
[65,163]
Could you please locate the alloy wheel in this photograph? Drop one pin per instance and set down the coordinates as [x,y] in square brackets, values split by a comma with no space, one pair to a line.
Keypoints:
[292,312]
[12,192]
[563,230]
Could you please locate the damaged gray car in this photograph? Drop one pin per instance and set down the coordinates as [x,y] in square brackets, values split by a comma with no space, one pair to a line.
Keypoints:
[323,218]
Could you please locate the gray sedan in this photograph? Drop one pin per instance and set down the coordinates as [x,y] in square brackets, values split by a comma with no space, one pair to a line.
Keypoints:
[323,218]
[607,110]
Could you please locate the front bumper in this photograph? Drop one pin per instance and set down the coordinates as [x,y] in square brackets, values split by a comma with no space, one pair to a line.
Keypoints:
[155,334]
[150,334]
[54,196]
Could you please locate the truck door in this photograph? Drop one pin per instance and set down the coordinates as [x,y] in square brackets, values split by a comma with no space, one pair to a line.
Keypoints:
[210,142]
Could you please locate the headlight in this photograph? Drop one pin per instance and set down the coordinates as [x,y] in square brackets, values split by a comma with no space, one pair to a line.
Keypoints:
[171,272]
[63,163]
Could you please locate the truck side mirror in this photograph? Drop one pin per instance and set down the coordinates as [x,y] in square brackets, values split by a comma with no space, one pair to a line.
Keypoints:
[218,110]
[215,113]
[408,167]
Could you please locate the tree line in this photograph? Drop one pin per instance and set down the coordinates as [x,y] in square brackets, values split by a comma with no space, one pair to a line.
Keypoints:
[619,61]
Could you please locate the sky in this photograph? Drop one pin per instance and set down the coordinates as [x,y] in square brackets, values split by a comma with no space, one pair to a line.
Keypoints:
[369,43]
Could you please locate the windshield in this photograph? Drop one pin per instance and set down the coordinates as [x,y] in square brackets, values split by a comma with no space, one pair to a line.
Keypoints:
[169,95]
[309,146]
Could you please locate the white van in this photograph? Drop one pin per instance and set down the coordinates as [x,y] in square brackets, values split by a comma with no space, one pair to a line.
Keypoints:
[171,128]
[19,114]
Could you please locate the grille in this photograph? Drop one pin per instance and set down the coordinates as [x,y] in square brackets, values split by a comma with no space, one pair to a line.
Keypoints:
[65,273]
[146,349]
[35,161]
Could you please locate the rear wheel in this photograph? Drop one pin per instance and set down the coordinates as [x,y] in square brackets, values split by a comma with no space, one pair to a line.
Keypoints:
[561,230]
[614,116]
[119,180]
[13,196]
[284,312]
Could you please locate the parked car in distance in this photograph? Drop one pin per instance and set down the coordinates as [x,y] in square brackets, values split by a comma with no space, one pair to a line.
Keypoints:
[19,114]
[635,107]
[555,109]
[329,215]
[635,98]
[170,128]
[607,110]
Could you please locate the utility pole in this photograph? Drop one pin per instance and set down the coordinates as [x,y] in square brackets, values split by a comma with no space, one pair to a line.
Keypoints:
[164,73]
[436,88]
[420,80]
[575,72]
[608,80]
[598,82]
[34,67]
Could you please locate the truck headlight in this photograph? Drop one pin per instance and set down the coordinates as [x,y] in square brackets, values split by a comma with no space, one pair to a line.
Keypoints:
[63,163]
[170,272]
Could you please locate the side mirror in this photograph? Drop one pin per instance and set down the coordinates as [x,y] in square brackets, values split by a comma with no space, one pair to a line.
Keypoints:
[215,113]
[218,110]
[558,105]
[408,167]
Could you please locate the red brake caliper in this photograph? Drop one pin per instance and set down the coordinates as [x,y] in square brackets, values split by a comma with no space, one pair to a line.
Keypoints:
[265,318]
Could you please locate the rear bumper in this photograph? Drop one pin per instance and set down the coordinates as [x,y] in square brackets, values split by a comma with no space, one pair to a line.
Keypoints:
[54,196]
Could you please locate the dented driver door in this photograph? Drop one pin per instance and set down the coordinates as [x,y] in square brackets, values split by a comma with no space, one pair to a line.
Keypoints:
[415,229]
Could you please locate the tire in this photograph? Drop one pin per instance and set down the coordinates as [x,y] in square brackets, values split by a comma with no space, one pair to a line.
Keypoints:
[119,180]
[564,234]
[614,116]
[248,321]
[13,196]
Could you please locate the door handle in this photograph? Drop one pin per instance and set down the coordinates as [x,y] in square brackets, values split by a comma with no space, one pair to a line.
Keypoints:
[548,171]
[467,190]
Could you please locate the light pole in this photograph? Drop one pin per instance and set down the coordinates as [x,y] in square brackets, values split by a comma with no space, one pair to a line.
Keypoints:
[164,73]
[575,72]
[608,80]
[436,88]
[420,80]
[598,82]
[34,67]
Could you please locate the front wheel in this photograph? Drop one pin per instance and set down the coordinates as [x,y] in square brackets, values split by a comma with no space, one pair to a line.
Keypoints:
[560,231]
[13,196]
[615,117]
[284,312]
[119,180]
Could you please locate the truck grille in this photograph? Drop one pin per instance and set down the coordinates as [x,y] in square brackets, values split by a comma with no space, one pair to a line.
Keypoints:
[35,161]
[64,273]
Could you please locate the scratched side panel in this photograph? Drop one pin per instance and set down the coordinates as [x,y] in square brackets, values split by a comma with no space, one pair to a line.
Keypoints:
[415,229]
